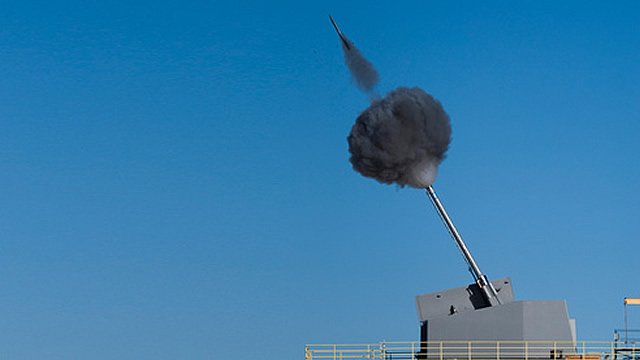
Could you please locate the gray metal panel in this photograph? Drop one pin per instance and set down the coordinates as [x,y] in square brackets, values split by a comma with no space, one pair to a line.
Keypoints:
[521,320]
[572,323]
[542,320]
[547,320]
[460,300]
[492,323]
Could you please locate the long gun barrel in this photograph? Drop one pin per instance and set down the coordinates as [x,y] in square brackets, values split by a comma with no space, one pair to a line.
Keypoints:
[488,291]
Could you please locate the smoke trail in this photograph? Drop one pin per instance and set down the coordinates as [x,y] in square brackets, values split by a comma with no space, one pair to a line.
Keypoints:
[401,138]
[364,75]
[362,71]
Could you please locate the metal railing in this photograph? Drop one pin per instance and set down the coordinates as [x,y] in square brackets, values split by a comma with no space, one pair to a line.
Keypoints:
[477,350]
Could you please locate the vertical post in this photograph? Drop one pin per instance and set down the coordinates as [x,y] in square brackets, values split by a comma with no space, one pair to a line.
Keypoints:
[612,351]
[626,334]
[488,291]
[628,301]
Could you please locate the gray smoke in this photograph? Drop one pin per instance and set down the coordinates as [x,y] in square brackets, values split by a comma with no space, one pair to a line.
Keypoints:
[364,75]
[401,138]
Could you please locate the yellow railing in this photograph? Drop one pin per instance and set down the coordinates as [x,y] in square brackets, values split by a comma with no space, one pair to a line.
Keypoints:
[477,350]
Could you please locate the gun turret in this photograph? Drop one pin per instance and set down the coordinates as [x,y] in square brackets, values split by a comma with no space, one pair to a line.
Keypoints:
[487,310]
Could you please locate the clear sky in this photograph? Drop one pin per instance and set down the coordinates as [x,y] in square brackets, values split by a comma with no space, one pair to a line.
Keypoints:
[175,184]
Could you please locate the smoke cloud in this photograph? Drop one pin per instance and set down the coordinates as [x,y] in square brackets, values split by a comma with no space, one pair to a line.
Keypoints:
[401,138]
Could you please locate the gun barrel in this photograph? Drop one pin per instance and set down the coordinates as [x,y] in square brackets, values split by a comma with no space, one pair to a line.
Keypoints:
[489,292]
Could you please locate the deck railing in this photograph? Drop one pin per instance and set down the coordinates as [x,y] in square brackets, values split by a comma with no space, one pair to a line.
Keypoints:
[477,350]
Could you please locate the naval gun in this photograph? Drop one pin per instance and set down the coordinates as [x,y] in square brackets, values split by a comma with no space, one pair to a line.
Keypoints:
[487,311]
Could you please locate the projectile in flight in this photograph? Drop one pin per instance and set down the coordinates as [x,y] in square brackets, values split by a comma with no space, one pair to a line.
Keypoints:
[344,39]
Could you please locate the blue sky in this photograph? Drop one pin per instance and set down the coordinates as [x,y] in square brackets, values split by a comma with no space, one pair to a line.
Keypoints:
[175,182]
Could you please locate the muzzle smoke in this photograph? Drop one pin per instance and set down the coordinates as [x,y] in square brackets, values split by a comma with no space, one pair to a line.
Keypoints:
[401,138]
